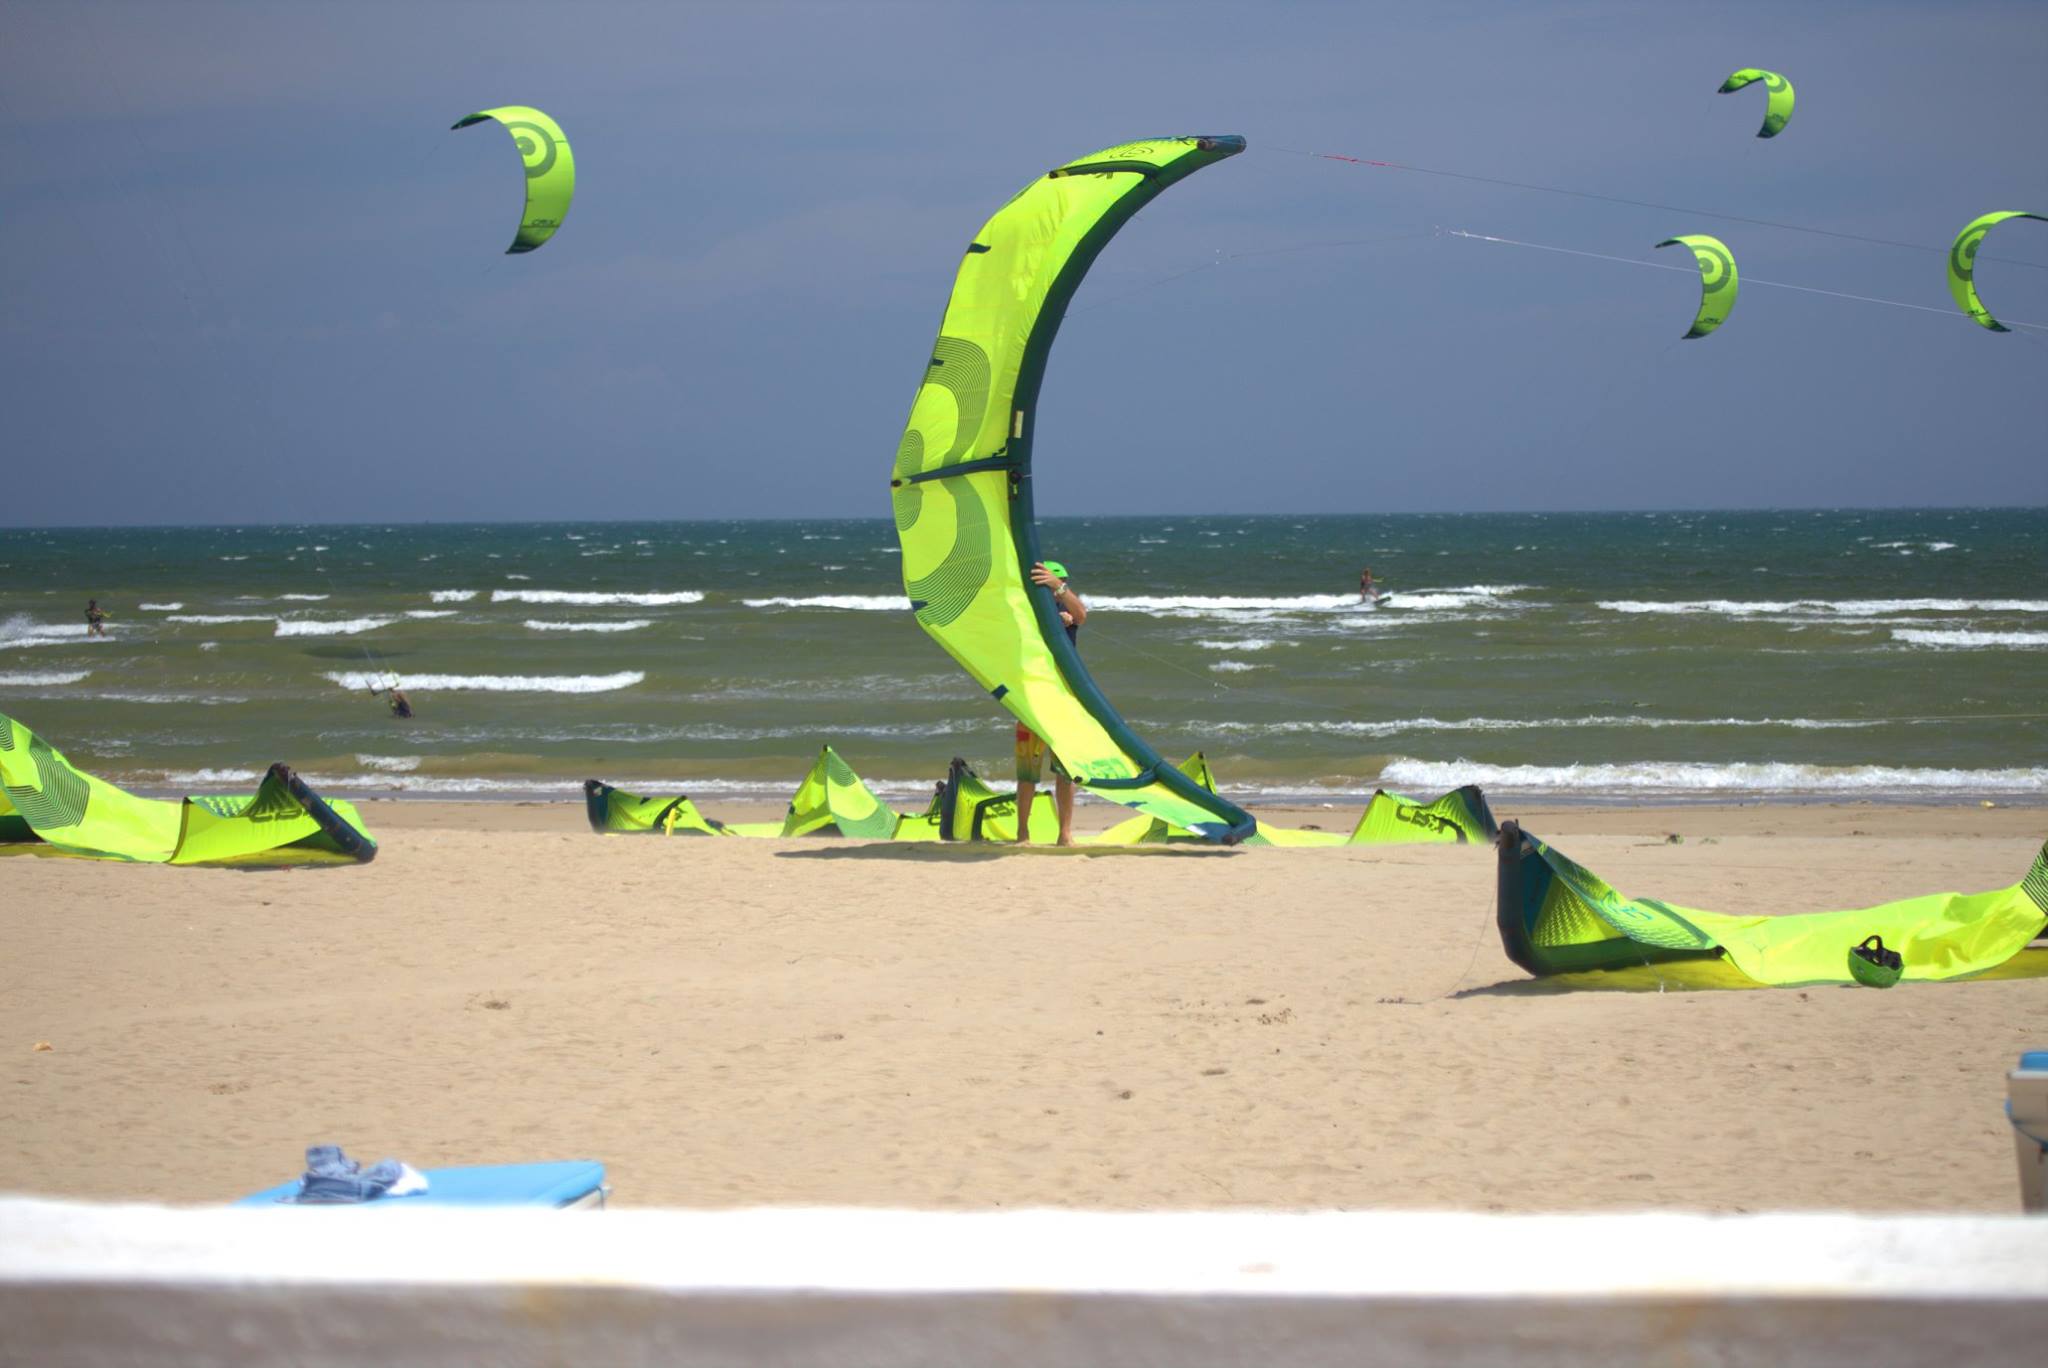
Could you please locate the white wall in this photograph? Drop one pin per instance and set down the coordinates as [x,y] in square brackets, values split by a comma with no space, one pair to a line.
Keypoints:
[111,1285]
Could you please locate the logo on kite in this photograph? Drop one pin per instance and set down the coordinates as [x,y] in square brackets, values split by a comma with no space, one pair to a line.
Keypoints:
[1962,265]
[550,170]
[1718,280]
[1778,103]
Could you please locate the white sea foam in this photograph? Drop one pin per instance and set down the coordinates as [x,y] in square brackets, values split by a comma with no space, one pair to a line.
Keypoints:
[1828,607]
[1692,778]
[1162,603]
[1248,644]
[207,778]
[336,627]
[452,595]
[872,603]
[389,764]
[159,607]
[35,679]
[216,619]
[1237,666]
[592,598]
[1258,608]
[23,630]
[623,625]
[306,598]
[427,683]
[1968,639]
[430,612]
[1409,725]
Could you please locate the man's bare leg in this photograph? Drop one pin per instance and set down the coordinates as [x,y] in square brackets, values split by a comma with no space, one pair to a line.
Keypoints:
[1063,796]
[1026,791]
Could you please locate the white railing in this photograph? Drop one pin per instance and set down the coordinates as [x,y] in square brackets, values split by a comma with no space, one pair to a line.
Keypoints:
[129,1284]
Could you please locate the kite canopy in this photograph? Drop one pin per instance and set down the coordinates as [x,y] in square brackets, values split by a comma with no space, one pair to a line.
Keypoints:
[45,800]
[961,484]
[550,170]
[1778,104]
[1718,280]
[1962,265]
[613,811]
[1557,916]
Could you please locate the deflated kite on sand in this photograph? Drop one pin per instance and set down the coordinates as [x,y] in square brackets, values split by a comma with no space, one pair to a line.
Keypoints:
[833,800]
[1558,917]
[49,806]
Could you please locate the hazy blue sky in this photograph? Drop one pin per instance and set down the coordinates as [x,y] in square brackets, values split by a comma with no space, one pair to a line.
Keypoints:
[251,275]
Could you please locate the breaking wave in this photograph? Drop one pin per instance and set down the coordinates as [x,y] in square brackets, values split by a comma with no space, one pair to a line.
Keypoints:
[338,627]
[1832,607]
[623,625]
[593,598]
[1657,777]
[1966,640]
[35,679]
[452,595]
[426,683]
[871,603]
[1407,725]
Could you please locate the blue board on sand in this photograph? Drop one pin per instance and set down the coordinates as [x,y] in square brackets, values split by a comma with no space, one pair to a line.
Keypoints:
[563,1183]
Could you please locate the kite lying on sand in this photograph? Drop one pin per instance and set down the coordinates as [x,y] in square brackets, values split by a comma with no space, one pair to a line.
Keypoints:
[1558,917]
[832,800]
[48,806]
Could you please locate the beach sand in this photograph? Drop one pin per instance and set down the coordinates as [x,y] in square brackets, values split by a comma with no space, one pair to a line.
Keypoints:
[732,1022]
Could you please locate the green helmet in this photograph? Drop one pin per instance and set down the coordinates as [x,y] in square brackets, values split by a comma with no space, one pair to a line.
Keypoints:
[1873,966]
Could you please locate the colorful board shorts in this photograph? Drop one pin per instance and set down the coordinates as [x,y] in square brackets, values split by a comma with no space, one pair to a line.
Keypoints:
[1031,754]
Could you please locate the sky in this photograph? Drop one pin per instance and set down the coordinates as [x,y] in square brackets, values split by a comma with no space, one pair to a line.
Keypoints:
[250,275]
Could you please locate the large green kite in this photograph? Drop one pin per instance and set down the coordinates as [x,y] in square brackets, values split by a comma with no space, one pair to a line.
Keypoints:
[550,170]
[1777,104]
[49,806]
[1962,265]
[1556,916]
[962,481]
[1718,280]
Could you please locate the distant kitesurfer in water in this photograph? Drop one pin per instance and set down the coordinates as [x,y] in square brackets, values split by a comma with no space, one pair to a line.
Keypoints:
[1368,592]
[401,706]
[1031,748]
[95,618]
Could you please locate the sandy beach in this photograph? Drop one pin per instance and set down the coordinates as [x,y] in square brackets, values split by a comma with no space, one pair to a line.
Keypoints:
[760,1022]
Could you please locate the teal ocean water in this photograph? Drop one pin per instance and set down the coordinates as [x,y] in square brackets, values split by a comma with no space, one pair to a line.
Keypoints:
[1894,654]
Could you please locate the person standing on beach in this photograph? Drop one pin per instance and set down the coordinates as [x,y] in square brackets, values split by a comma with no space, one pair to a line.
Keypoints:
[1031,748]
[95,618]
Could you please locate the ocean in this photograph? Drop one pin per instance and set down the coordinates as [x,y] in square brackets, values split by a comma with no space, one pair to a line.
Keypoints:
[1892,655]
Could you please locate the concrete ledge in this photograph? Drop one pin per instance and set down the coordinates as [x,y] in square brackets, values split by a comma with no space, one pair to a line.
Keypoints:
[113,1284]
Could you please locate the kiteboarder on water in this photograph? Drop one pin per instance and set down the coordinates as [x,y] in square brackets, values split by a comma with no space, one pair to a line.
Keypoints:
[95,618]
[1031,748]
[1368,592]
